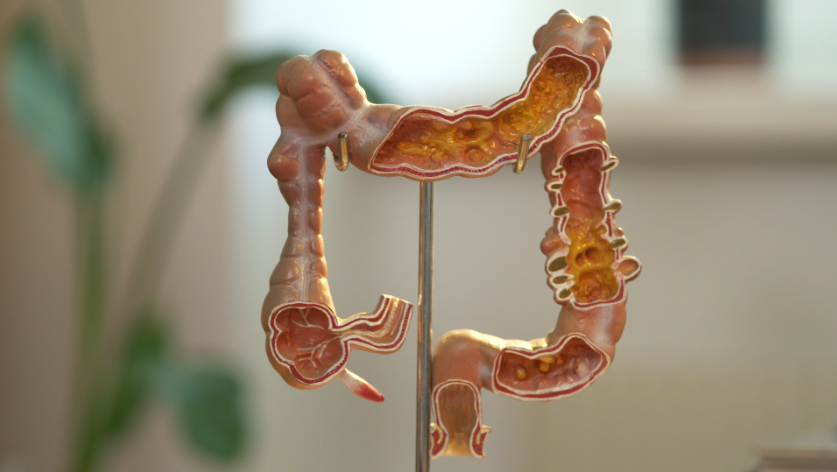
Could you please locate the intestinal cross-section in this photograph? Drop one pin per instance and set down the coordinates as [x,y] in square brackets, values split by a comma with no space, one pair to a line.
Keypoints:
[434,143]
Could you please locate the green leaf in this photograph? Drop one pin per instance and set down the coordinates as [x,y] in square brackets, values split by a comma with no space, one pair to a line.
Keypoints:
[46,100]
[373,93]
[207,397]
[240,74]
[209,400]
[144,356]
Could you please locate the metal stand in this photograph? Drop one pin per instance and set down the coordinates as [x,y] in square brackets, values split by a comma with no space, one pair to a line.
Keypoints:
[425,301]
[425,328]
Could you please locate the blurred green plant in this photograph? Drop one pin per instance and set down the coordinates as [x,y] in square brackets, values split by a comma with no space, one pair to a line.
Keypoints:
[48,98]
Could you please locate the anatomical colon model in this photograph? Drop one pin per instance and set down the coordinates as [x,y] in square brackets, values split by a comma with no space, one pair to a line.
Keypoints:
[559,106]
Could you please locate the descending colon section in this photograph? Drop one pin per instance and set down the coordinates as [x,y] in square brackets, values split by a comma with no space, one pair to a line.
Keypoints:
[586,268]
[590,256]
[581,267]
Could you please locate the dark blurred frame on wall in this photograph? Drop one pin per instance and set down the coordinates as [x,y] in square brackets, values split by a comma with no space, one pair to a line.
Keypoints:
[721,32]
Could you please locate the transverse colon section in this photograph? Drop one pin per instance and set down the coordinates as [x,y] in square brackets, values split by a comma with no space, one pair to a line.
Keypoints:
[425,142]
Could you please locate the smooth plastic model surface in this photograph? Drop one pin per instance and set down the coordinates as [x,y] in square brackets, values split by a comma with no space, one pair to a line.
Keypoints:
[556,113]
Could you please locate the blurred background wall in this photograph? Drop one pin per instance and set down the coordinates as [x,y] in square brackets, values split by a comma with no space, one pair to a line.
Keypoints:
[150,60]
[727,176]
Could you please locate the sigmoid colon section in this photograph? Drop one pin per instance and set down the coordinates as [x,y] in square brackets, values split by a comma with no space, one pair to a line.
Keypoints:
[549,374]
[429,142]
[458,406]
[586,272]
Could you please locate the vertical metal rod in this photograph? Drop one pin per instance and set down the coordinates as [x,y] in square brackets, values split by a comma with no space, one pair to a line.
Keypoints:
[425,328]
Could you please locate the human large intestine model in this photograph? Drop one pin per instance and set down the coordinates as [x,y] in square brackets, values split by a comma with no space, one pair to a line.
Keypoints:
[557,109]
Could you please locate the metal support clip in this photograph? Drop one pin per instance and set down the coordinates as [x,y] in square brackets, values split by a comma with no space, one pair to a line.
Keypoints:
[522,153]
[342,161]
